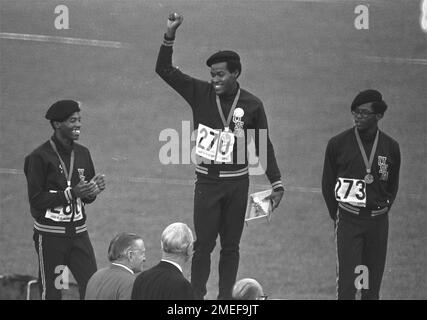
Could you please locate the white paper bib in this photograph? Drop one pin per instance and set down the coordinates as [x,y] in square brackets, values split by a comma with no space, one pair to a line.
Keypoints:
[213,144]
[64,213]
[352,191]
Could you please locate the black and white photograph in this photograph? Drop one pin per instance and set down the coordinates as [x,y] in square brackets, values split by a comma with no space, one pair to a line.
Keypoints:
[134,134]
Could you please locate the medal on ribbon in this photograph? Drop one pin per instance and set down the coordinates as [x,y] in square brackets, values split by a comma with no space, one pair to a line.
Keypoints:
[226,137]
[369,178]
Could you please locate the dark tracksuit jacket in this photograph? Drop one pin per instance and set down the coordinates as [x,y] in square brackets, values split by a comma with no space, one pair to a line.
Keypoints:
[60,232]
[343,159]
[47,189]
[201,97]
[361,232]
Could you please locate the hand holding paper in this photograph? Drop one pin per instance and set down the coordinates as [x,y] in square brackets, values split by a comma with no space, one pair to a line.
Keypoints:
[275,197]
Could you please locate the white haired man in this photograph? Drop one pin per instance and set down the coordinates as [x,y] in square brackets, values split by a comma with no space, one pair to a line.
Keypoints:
[165,281]
[127,255]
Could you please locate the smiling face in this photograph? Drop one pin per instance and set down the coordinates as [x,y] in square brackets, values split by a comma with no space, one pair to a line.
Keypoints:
[69,130]
[223,81]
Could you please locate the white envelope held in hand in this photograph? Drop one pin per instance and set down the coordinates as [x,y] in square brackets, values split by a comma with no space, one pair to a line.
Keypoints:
[258,207]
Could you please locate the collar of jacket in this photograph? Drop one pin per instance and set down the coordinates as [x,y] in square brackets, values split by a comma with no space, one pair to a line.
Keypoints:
[62,148]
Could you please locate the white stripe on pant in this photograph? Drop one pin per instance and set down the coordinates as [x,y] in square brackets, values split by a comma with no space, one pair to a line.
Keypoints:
[41,266]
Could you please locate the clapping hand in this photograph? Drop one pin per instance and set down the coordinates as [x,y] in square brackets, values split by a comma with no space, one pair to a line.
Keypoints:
[83,189]
[99,179]
[97,185]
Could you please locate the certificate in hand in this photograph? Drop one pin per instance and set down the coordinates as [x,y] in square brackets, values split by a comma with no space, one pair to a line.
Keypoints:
[258,207]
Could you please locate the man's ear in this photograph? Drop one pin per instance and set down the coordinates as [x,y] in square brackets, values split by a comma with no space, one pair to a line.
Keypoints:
[56,124]
[379,116]
[129,254]
[236,74]
[189,250]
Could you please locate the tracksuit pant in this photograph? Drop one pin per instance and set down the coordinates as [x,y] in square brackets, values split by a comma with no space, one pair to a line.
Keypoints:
[361,246]
[54,254]
[219,209]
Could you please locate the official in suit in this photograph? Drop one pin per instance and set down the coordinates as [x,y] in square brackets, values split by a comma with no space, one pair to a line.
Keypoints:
[126,254]
[165,281]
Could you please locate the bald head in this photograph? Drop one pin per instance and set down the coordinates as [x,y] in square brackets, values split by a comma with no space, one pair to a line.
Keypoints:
[247,289]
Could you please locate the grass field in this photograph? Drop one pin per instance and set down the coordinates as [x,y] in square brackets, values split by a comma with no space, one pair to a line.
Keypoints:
[304,59]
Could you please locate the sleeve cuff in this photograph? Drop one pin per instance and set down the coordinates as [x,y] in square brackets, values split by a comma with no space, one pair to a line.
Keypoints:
[278,185]
[168,41]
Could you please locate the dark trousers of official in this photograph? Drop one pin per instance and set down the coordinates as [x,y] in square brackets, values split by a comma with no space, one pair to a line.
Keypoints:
[361,241]
[55,252]
[219,209]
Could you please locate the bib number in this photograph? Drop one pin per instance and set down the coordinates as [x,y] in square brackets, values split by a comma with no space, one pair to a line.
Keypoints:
[213,144]
[64,213]
[352,191]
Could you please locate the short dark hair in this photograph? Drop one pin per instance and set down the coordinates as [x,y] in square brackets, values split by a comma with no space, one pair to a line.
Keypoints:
[234,65]
[231,57]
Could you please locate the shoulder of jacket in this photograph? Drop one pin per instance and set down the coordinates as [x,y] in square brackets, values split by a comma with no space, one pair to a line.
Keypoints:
[247,95]
[80,148]
[40,150]
[342,135]
[389,138]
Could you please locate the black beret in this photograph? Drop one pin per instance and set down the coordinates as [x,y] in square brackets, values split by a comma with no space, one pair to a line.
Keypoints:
[222,56]
[62,110]
[366,97]
[379,106]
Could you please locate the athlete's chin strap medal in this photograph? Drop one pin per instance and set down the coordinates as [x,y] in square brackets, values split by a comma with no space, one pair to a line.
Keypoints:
[369,178]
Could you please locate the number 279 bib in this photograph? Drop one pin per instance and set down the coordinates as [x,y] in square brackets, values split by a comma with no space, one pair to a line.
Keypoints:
[352,191]
[213,144]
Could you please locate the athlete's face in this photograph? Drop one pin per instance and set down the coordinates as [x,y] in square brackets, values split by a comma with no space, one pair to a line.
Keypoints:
[223,81]
[365,118]
[70,128]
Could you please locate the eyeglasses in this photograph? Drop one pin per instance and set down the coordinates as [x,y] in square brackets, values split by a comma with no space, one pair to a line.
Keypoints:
[362,113]
[263,297]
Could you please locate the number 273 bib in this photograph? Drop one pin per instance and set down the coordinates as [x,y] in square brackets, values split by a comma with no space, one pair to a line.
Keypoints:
[352,191]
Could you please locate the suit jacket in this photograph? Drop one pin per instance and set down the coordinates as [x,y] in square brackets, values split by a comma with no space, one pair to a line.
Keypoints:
[112,283]
[162,282]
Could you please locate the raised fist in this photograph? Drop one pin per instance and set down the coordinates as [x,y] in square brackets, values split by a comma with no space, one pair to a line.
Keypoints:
[174,21]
